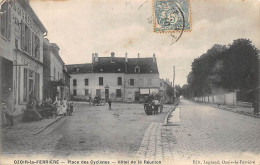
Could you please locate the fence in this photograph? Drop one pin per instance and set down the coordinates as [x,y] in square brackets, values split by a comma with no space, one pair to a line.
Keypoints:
[226,99]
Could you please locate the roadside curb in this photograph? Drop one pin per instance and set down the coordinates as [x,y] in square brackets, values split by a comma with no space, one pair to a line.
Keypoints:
[228,109]
[165,123]
[56,120]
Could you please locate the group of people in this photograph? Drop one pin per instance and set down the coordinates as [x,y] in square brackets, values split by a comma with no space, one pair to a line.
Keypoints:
[62,106]
[48,108]
[153,103]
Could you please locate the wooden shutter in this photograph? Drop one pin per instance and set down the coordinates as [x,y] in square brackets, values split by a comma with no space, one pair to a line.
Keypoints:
[22,35]
[9,16]
[33,45]
[29,41]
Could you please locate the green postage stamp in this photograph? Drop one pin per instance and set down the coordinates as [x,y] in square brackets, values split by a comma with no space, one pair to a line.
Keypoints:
[171,16]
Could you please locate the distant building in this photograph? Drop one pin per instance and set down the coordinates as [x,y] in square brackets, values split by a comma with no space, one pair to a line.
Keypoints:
[164,84]
[55,77]
[21,57]
[117,78]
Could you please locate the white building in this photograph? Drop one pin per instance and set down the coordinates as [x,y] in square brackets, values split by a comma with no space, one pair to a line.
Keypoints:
[117,78]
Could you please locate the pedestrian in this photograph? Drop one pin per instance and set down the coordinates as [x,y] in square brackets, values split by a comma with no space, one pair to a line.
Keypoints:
[109,103]
[156,104]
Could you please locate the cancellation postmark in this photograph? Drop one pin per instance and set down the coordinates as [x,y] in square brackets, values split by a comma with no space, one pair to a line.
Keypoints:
[171,16]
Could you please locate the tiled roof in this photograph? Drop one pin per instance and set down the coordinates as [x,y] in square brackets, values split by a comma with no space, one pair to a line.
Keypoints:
[118,65]
[79,68]
[104,65]
[146,65]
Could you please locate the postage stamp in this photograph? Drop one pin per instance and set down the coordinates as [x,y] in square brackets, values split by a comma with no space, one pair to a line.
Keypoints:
[171,16]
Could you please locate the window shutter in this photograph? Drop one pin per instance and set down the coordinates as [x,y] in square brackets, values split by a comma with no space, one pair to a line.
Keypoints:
[37,47]
[9,23]
[22,35]
[128,81]
[30,41]
[33,45]
[135,82]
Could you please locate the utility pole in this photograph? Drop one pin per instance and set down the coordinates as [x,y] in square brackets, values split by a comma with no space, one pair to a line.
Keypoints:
[173,82]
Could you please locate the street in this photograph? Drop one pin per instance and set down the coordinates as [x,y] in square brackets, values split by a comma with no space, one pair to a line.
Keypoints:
[93,131]
[127,132]
[206,132]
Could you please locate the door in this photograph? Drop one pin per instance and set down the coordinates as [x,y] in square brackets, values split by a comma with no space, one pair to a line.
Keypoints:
[107,93]
[137,96]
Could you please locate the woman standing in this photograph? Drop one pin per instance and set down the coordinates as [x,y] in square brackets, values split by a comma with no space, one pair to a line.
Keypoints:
[64,107]
[58,106]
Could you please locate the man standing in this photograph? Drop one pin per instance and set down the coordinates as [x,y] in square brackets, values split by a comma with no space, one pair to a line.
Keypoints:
[109,103]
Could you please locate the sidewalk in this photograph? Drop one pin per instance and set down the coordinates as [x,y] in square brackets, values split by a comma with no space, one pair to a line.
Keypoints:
[30,128]
[156,142]
[236,109]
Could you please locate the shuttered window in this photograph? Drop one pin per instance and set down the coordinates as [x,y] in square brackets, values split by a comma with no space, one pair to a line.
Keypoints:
[5,18]
[119,81]
[100,81]
[132,82]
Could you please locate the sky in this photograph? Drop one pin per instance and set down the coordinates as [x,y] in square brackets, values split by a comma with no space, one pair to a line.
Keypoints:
[83,27]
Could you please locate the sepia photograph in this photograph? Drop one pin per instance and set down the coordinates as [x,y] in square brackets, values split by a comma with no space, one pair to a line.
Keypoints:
[127,82]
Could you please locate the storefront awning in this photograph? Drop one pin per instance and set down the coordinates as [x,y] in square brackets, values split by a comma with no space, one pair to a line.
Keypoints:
[144,91]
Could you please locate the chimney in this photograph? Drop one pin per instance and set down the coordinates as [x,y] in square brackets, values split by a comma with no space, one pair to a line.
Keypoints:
[126,60]
[154,59]
[93,57]
[138,55]
[112,57]
[96,57]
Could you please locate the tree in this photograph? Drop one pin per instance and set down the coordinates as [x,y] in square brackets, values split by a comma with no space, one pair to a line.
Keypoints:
[230,67]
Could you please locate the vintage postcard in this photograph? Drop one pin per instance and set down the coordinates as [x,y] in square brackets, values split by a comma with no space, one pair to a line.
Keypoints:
[127,82]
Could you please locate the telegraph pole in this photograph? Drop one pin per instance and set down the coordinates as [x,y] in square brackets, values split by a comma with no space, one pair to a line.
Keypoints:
[173,82]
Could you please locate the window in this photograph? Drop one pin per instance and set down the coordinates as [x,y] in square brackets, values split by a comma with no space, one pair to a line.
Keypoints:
[86,82]
[35,46]
[118,93]
[137,69]
[86,92]
[74,82]
[132,82]
[54,73]
[74,92]
[26,38]
[98,92]
[5,18]
[100,81]
[119,80]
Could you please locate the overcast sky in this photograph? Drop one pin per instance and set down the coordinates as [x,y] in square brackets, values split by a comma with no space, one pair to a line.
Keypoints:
[83,27]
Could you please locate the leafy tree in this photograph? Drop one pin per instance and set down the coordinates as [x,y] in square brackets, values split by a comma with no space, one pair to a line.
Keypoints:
[231,67]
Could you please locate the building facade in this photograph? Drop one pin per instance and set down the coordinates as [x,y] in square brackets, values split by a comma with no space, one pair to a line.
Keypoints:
[55,77]
[21,57]
[164,86]
[116,78]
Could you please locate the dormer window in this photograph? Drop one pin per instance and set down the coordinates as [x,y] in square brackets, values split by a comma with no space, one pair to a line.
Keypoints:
[137,69]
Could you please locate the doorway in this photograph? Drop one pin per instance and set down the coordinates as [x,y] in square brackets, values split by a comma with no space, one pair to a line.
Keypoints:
[107,93]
